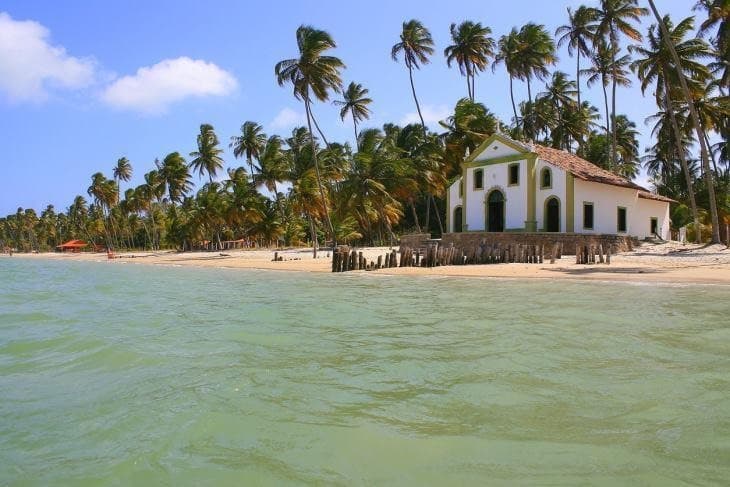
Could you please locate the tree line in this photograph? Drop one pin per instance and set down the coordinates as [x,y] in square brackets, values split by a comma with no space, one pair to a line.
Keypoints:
[394,178]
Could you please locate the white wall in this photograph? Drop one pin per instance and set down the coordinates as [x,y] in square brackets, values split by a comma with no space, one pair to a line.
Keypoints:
[607,198]
[641,218]
[558,189]
[454,201]
[495,177]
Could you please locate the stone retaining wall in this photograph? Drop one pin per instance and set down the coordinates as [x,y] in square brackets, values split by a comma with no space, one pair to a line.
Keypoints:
[620,243]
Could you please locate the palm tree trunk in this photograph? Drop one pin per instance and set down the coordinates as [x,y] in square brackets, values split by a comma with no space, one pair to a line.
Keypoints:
[354,123]
[682,159]
[473,87]
[608,121]
[415,98]
[319,130]
[696,122]
[438,215]
[614,50]
[415,216]
[319,177]
[428,214]
[577,76]
[512,97]
[313,236]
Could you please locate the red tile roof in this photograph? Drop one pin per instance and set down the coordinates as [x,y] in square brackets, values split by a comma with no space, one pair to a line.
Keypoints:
[653,196]
[72,244]
[582,169]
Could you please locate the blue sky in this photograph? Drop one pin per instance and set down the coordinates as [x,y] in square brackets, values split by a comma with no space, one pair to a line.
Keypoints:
[83,83]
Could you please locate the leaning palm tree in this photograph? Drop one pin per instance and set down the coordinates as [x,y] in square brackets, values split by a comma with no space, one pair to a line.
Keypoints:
[656,66]
[355,102]
[472,49]
[615,17]
[578,33]
[416,45]
[704,151]
[207,159]
[312,74]
[249,143]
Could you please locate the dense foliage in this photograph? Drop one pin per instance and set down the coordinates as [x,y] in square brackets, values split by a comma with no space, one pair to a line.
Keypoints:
[394,179]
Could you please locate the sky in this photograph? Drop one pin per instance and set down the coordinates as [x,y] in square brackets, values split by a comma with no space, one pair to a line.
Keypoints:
[83,82]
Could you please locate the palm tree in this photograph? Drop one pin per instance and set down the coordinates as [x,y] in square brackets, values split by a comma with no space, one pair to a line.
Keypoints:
[615,17]
[600,71]
[416,45]
[122,171]
[175,175]
[355,102]
[249,143]
[312,74]
[272,169]
[466,129]
[577,34]
[537,53]
[559,94]
[509,54]
[704,152]
[657,66]
[718,14]
[472,49]
[207,159]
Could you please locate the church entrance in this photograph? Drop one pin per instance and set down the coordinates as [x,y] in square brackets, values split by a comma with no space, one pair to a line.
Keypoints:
[495,211]
[552,215]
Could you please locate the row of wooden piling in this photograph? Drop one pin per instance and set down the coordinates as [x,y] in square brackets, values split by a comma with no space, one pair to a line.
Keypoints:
[592,254]
[491,254]
[346,259]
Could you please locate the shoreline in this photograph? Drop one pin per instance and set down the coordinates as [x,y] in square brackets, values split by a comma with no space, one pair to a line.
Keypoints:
[670,263]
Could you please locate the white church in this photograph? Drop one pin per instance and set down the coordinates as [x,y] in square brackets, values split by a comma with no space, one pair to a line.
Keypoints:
[512,186]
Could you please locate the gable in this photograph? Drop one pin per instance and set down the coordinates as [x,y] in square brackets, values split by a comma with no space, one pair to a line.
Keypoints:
[497,146]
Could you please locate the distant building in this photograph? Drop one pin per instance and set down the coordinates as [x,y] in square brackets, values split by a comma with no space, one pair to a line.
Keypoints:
[512,186]
[72,246]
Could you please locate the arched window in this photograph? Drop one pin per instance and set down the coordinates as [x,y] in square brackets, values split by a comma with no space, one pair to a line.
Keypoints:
[546,178]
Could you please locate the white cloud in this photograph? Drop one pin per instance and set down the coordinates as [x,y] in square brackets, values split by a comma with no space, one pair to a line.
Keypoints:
[288,118]
[152,89]
[29,65]
[432,115]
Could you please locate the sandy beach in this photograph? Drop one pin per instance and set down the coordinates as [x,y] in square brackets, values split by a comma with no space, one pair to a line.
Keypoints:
[666,263]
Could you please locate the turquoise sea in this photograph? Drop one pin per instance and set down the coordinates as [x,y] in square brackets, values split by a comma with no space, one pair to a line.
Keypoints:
[114,374]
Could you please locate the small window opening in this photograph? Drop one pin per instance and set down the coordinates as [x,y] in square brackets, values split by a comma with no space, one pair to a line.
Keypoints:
[479,179]
[588,216]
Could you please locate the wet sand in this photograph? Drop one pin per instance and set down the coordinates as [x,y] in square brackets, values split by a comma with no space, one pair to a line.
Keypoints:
[667,263]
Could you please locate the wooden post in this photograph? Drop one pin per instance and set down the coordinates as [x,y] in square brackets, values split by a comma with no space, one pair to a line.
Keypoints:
[380,262]
[600,253]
